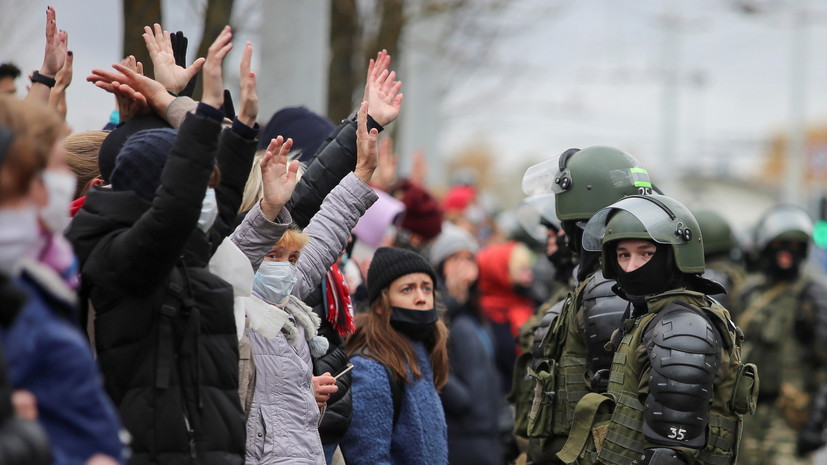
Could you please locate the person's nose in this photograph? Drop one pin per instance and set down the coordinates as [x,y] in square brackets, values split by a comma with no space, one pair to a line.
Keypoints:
[636,262]
[421,297]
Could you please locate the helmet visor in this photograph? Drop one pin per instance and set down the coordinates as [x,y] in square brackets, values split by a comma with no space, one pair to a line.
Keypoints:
[536,214]
[782,219]
[659,222]
[540,178]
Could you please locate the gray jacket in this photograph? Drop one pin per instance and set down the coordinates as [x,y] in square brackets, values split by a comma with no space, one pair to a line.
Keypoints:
[282,427]
[282,424]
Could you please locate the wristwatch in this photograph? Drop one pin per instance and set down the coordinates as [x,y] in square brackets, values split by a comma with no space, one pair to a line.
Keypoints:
[45,80]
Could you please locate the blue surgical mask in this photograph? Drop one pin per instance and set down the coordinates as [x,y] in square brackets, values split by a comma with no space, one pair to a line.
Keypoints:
[274,281]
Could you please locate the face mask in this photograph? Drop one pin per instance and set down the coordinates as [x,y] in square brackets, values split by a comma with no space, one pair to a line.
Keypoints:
[417,324]
[60,187]
[18,236]
[274,281]
[654,277]
[209,211]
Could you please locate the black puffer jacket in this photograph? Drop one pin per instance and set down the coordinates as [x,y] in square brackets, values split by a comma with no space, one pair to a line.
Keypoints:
[164,325]
[334,160]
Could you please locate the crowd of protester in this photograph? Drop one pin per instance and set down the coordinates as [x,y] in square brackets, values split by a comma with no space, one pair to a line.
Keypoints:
[187,284]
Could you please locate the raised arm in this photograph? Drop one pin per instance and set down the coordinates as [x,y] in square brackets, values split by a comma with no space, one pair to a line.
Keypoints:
[153,245]
[337,157]
[266,222]
[168,72]
[236,150]
[53,60]
[330,227]
[57,97]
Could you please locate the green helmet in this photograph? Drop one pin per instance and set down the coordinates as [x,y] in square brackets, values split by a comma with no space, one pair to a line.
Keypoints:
[783,223]
[587,180]
[718,236]
[650,217]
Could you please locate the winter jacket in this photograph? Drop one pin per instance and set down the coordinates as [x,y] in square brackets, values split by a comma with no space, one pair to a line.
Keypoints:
[22,442]
[472,395]
[328,231]
[335,158]
[282,427]
[164,328]
[419,435]
[48,356]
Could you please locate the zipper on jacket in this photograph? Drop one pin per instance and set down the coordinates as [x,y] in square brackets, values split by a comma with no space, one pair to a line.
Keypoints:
[190,435]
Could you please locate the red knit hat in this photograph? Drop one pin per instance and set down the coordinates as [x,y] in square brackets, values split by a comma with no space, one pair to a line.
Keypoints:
[422,213]
[458,198]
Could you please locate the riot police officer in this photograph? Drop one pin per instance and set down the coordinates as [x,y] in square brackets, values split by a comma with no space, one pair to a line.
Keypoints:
[721,256]
[780,309]
[677,388]
[569,358]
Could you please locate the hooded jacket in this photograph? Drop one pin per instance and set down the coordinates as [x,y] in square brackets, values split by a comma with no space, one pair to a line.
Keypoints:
[164,328]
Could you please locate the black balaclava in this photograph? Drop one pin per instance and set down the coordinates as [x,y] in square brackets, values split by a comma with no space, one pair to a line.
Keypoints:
[769,260]
[563,260]
[658,275]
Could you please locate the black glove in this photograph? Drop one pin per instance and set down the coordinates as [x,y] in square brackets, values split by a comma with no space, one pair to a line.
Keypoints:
[661,456]
[179,50]
[810,438]
[229,109]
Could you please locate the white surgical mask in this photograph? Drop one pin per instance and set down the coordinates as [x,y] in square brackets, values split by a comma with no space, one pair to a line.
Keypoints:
[209,211]
[18,236]
[60,187]
[274,281]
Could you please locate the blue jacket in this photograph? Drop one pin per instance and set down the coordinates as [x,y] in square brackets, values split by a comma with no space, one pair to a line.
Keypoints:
[49,356]
[420,435]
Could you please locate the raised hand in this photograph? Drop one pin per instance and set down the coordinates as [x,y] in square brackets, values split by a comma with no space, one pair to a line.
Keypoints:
[213,94]
[57,97]
[382,90]
[248,112]
[385,176]
[173,77]
[141,87]
[367,150]
[419,168]
[56,46]
[277,177]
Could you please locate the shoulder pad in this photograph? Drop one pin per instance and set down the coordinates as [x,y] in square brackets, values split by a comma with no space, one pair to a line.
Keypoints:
[684,327]
[597,286]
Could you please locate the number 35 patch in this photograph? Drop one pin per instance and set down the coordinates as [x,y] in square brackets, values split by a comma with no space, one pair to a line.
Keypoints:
[677,433]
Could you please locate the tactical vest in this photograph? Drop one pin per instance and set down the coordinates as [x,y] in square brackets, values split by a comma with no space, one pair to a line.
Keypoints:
[559,380]
[608,428]
[769,320]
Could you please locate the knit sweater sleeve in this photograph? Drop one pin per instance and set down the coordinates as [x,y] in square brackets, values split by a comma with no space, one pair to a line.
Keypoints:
[368,440]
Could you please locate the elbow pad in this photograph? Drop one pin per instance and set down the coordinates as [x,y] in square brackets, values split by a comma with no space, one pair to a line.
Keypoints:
[684,352]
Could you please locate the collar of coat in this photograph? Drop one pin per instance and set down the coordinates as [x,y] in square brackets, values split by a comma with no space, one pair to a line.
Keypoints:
[268,320]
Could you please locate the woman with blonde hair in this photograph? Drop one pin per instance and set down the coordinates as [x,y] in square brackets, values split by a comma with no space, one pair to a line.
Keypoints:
[400,362]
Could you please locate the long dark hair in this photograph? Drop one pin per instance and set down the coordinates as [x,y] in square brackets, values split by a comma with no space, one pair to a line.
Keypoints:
[376,339]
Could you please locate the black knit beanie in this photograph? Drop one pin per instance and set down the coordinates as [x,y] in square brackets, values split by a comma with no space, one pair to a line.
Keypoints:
[390,263]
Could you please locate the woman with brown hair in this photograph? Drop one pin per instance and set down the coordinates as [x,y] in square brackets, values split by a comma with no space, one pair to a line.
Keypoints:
[400,361]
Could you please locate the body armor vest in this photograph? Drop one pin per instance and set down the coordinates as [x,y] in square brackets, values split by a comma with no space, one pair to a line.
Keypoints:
[608,428]
[569,368]
[769,319]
